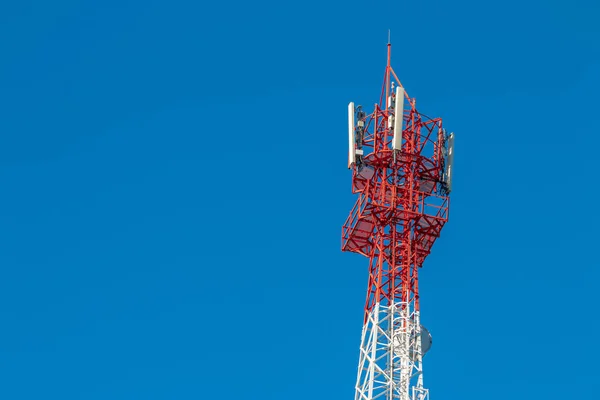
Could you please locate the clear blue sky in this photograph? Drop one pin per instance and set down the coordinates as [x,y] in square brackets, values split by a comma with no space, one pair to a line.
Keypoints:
[174,183]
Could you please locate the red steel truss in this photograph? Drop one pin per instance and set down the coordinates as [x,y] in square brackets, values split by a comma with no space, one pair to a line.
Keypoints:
[402,205]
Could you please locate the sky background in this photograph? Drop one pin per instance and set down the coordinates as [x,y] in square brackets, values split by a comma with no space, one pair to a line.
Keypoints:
[174,183]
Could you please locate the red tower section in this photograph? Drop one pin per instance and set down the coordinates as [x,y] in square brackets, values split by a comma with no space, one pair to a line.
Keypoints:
[403,195]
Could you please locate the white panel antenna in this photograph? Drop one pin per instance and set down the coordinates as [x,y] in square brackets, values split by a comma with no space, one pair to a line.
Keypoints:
[390,104]
[449,161]
[351,128]
[398,118]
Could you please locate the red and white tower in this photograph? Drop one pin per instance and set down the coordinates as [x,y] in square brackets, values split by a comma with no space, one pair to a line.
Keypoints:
[401,163]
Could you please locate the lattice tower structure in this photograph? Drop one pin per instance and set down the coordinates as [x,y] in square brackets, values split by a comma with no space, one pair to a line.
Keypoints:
[401,163]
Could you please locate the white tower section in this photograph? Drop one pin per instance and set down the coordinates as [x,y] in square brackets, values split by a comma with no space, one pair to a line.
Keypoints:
[391,354]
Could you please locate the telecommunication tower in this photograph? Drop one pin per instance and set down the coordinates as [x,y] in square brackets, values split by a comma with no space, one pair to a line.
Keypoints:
[401,163]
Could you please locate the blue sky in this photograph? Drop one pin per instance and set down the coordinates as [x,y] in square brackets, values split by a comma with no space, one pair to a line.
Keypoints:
[174,184]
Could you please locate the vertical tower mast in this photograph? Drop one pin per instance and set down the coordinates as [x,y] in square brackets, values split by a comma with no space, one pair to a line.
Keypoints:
[401,163]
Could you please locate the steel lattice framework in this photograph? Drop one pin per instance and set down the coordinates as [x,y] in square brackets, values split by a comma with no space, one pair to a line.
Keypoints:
[401,172]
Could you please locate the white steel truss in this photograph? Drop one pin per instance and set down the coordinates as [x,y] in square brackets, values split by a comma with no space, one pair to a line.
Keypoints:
[390,365]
